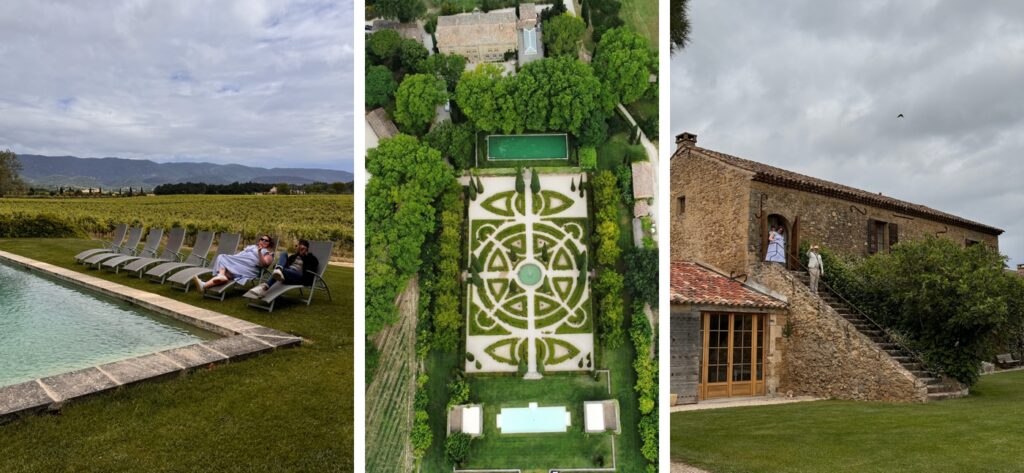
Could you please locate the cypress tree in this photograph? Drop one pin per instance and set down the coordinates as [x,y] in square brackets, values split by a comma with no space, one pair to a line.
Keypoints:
[520,183]
[534,181]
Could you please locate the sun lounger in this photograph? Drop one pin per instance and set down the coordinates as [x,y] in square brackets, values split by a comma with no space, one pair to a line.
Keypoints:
[108,246]
[322,251]
[196,259]
[148,251]
[221,291]
[170,254]
[129,248]
[227,244]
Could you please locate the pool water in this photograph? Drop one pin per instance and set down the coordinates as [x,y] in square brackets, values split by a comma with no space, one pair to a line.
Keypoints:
[48,328]
[516,147]
[529,274]
[533,419]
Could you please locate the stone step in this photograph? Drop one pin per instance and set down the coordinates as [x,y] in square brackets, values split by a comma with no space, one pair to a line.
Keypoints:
[944,396]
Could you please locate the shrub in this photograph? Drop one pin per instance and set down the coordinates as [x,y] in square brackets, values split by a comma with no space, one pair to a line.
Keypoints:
[642,274]
[458,391]
[456,447]
[23,225]
[588,158]
[421,436]
[624,173]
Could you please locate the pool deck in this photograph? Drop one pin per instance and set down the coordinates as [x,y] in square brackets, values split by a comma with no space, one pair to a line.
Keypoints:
[240,340]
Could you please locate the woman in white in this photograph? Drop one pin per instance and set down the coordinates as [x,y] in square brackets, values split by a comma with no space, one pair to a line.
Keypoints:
[776,246]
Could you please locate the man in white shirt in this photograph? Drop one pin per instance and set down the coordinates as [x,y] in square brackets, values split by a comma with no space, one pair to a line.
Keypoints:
[815,267]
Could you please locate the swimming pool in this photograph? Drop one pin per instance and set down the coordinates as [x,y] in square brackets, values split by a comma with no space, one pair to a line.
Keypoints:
[48,328]
[533,419]
[525,147]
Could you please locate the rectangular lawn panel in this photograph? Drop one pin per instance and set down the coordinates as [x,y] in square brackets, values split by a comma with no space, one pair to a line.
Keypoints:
[527,147]
[981,432]
[538,452]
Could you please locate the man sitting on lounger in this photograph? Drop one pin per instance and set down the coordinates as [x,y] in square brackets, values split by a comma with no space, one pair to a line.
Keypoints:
[240,267]
[291,269]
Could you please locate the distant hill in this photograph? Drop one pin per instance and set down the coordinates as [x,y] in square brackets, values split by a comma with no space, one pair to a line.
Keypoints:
[118,172]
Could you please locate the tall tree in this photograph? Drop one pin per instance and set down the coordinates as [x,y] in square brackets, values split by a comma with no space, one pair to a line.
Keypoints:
[563,34]
[380,86]
[448,67]
[477,93]
[401,10]
[383,45]
[412,54]
[454,141]
[10,174]
[624,62]
[679,24]
[416,101]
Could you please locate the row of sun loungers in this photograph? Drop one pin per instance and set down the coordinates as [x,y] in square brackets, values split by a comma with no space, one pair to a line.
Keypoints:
[170,265]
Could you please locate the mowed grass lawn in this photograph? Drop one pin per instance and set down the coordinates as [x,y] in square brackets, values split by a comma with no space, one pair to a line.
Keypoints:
[981,433]
[642,16]
[290,410]
[537,452]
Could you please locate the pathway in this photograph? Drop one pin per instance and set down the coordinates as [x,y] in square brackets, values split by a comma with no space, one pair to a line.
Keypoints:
[652,155]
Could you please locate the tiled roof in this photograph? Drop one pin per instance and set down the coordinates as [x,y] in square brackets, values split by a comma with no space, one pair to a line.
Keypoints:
[478,18]
[781,177]
[381,125]
[692,283]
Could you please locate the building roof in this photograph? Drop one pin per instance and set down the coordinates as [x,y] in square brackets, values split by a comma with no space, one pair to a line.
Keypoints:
[783,178]
[692,283]
[477,18]
[527,11]
[643,182]
[382,126]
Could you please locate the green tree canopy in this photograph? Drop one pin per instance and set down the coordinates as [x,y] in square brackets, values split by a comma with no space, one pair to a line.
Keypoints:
[412,54]
[401,10]
[624,62]
[416,101]
[380,86]
[448,67]
[407,177]
[563,34]
[10,178]
[549,94]
[454,141]
[383,45]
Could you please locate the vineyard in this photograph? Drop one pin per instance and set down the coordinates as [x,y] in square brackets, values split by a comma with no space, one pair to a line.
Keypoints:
[313,217]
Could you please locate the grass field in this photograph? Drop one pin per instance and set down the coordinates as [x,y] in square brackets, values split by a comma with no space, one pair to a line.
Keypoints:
[982,432]
[314,217]
[291,410]
[642,16]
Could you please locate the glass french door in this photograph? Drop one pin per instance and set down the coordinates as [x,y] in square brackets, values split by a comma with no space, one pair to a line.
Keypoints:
[732,362]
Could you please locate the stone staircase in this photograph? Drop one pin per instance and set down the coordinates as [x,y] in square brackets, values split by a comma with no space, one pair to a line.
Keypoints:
[938,388]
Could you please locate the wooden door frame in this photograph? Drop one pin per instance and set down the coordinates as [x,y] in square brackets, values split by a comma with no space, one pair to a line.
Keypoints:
[757,386]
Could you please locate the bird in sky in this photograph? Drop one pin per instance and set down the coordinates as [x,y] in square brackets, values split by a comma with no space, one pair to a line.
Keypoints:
[899,116]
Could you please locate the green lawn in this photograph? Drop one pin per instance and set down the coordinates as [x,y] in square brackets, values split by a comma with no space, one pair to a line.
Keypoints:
[983,432]
[290,410]
[572,449]
[642,16]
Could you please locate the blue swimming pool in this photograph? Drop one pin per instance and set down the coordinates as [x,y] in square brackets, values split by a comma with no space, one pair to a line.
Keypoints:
[48,328]
[533,419]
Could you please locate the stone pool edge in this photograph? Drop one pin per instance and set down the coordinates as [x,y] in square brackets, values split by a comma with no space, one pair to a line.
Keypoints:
[240,339]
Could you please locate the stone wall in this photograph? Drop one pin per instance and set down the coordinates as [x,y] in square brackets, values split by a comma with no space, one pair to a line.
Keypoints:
[840,225]
[713,228]
[824,355]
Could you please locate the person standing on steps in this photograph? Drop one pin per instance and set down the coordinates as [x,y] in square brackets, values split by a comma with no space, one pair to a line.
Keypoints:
[815,267]
[776,246]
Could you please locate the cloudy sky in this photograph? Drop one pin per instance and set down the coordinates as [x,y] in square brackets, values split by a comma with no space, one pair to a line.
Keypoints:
[816,87]
[262,82]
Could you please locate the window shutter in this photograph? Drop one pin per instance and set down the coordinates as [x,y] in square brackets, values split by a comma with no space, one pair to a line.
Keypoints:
[872,237]
[764,235]
[894,235]
[685,353]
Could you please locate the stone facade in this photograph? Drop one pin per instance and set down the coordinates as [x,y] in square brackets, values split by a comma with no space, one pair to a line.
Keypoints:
[479,37]
[825,355]
[728,206]
[721,207]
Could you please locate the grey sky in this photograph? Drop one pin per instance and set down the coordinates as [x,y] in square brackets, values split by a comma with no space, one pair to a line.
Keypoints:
[816,87]
[262,82]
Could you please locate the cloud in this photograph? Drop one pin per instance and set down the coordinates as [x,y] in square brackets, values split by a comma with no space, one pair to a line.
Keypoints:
[816,87]
[262,82]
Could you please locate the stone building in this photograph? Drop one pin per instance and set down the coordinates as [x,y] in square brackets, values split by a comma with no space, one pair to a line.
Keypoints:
[722,208]
[478,36]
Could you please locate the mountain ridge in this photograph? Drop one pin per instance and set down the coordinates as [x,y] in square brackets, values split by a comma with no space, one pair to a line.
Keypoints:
[40,170]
